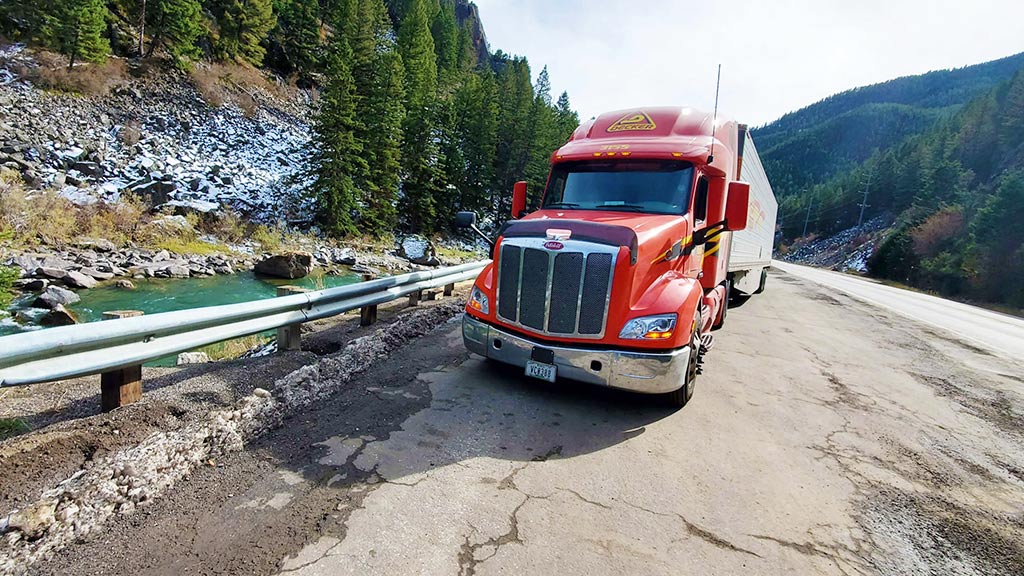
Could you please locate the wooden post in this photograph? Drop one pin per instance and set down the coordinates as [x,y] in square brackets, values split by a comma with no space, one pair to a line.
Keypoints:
[430,294]
[367,314]
[122,386]
[289,338]
[415,297]
[449,289]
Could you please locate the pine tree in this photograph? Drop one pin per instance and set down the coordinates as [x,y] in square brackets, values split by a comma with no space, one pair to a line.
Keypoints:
[514,129]
[379,75]
[476,111]
[421,162]
[445,31]
[545,140]
[337,154]
[296,36]
[243,26]
[566,117]
[175,25]
[76,29]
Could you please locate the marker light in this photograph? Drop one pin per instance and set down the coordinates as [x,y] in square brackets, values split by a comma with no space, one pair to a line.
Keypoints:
[658,327]
[478,301]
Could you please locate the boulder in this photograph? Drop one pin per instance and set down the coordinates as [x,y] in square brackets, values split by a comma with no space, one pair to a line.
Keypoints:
[78,280]
[418,250]
[125,284]
[97,244]
[193,358]
[289,265]
[32,284]
[55,296]
[59,316]
[34,520]
[96,274]
[177,271]
[51,273]
[344,256]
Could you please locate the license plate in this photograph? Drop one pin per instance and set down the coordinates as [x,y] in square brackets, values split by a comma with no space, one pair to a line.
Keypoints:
[542,371]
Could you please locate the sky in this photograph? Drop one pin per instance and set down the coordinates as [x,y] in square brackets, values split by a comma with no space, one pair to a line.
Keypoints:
[776,55]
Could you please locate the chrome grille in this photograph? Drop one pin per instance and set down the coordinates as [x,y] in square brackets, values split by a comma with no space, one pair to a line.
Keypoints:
[557,292]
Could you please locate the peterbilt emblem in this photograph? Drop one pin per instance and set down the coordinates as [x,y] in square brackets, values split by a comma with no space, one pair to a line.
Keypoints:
[554,245]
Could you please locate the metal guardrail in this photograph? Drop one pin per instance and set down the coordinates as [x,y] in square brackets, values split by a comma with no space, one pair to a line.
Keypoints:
[100,347]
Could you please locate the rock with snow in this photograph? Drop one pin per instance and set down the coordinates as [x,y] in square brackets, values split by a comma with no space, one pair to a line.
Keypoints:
[186,358]
[418,250]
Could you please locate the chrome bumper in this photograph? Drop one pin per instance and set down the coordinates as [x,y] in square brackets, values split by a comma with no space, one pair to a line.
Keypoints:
[649,373]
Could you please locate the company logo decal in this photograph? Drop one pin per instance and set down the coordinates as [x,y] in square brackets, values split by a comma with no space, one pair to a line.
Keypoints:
[634,121]
[554,245]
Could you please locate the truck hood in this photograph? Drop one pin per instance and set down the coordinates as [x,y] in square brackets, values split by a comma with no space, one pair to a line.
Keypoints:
[650,230]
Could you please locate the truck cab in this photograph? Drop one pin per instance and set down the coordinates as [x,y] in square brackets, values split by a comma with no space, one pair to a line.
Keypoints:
[620,275]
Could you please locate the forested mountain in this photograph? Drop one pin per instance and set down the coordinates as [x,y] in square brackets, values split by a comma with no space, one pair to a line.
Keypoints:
[956,191]
[806,146]
[416,117]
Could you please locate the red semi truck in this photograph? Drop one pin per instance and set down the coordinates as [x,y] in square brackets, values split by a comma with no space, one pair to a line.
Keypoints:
[651,219]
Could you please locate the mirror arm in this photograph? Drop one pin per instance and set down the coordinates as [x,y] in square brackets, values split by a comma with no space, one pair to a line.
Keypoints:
[482,235]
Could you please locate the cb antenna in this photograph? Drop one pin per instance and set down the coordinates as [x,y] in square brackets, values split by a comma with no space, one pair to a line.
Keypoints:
[714,121]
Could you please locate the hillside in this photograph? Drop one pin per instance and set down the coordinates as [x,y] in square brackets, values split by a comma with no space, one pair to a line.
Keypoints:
[955,195]
[804,147]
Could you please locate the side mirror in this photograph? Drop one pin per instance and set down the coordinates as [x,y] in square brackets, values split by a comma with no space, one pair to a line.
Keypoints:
[519,200]
[737,206]
[465,219]
[468,220]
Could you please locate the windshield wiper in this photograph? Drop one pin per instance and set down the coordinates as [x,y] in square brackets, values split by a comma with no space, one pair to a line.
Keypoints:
[561,205]
[633,207]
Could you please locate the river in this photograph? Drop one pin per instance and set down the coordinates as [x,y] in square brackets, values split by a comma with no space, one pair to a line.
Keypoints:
[164,295]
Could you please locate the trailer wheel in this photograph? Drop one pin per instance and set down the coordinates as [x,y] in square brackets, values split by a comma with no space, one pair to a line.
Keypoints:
[681,396]
[764,280]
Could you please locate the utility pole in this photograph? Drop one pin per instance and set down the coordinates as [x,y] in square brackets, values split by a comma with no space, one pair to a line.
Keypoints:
[864,204]
[808,218]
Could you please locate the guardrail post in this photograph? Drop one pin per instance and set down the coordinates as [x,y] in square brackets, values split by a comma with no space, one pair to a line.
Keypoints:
[289,338]
[122,386]
[367,314]
[449,289]
[415,297]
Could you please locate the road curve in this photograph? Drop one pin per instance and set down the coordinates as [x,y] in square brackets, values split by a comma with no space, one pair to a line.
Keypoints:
[997,332]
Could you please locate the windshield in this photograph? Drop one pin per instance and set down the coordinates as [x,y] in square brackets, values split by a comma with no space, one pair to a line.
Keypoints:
[656,187]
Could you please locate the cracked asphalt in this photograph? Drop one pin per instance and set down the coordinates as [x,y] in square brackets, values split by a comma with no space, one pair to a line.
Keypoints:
[826,436]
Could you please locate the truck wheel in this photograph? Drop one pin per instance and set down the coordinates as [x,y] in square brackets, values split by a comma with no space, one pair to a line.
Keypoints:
[725,305]
[681,396]
[764,280]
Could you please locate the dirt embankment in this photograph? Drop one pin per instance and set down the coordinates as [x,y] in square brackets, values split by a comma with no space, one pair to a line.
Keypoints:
[81,467]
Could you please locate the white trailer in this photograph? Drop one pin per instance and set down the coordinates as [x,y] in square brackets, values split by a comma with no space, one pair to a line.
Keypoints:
[750,252]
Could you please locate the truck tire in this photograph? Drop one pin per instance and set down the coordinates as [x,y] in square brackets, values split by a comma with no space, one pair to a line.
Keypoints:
[725,305]
[764,280]
[681,397]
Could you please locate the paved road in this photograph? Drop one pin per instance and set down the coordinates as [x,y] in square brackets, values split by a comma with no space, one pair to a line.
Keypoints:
[826,436]
[996,332]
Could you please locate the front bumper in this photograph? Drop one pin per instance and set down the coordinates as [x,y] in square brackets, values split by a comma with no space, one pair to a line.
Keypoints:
[646,372]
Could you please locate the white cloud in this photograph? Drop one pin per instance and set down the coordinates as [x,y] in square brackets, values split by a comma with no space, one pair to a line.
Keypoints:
[776,56]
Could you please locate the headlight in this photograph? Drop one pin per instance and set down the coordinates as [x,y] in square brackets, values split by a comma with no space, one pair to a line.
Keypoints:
[478,301]
[657,327]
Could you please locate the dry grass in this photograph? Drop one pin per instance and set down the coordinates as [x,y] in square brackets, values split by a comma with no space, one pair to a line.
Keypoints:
[221,83]
[52,73]
[234,348]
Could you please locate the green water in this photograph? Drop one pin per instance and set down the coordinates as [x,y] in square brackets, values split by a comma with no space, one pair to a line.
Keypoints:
[164,295]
